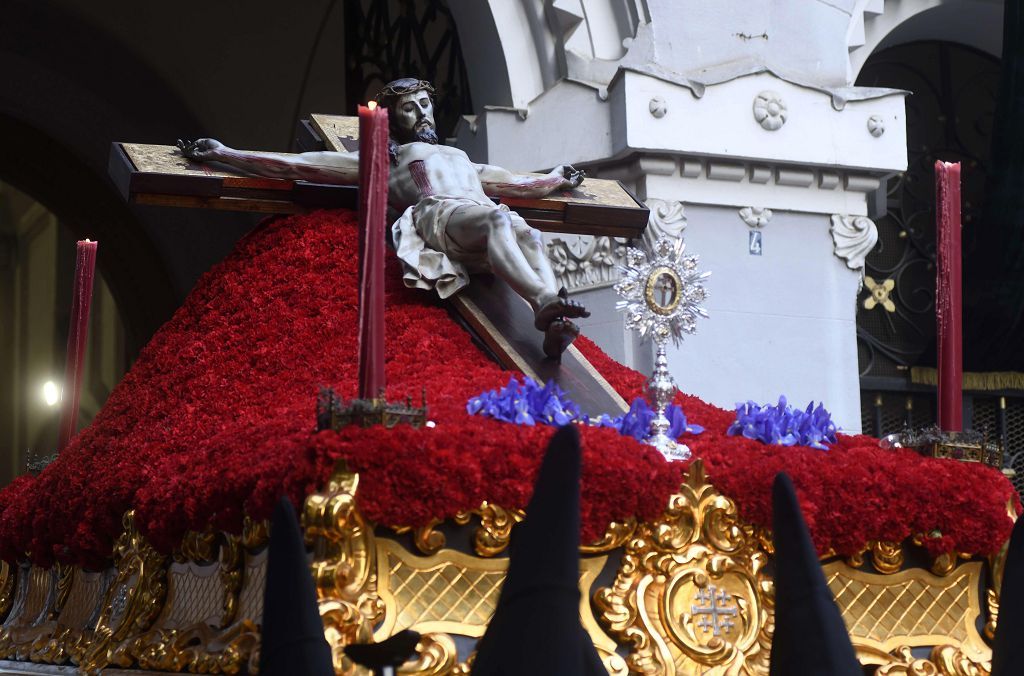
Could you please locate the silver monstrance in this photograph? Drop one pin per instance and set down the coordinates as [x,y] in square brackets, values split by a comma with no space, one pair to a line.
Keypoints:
[663,295]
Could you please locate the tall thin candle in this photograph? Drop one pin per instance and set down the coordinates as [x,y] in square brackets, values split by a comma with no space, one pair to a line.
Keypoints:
[373,199]
[948,296]
[78,334]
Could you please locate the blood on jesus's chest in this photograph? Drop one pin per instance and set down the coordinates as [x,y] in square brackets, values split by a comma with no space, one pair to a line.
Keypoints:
[437,175]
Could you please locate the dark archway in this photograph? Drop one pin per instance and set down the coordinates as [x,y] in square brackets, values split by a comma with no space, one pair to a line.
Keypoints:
[89,206]
[69,91]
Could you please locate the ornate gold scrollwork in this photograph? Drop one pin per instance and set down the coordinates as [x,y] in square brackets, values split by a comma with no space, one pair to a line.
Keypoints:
[198,547]
[134,599]
[887,557]
[493,535]
[997,564]
[691,595]
[436,655]
[344,565]
[72,631]
[255,534]
[495,531]
[615,536]
[231,559]
[944,660]
[427,539]
[197,630]
[32,612]
[8,577]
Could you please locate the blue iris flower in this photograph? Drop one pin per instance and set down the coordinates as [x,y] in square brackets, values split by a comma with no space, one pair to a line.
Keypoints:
[784,425]
[528,403]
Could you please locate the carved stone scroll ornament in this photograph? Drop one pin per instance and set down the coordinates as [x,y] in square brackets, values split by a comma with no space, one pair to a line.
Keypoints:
[756,217]
[854,237]
[691,595]
[667,219]
[584,261]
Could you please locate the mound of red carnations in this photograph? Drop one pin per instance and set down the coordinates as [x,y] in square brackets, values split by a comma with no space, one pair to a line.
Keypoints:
[217,419]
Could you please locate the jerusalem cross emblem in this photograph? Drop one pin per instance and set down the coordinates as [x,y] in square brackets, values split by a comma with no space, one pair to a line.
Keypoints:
[714,609]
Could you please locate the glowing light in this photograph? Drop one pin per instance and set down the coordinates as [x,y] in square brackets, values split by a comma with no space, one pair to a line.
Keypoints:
[51,393]
[372,105]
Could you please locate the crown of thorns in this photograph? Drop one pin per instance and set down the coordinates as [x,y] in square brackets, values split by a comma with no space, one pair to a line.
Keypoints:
[406,85]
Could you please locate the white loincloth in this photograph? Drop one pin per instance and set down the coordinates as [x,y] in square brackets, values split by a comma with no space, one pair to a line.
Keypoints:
[431,260]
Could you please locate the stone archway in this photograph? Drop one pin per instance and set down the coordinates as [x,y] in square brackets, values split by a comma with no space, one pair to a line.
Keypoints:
[882,24]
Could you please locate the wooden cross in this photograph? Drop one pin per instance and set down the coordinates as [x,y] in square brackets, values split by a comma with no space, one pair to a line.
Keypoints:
[160,175]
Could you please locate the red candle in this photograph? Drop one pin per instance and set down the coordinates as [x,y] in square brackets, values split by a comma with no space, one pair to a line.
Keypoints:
[373,201]
[948,296]
[78,334]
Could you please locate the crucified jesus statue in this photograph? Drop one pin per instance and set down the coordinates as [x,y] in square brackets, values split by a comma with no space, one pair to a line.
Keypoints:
[447,226]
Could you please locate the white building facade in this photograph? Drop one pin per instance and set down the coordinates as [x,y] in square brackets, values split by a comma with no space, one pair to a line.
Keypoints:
[739,125]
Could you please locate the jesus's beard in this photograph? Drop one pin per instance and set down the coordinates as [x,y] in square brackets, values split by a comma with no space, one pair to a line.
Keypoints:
[426,134]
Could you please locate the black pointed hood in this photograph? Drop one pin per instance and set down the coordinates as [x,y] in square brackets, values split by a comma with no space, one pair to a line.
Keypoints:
[292,634]
[392,652]
[810,636]
[536,628]
[1008,648]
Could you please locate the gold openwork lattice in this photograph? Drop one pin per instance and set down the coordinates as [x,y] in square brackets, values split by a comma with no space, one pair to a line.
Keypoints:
[910,608]
[254,578]
[449,591]
[194,594]
[87,591]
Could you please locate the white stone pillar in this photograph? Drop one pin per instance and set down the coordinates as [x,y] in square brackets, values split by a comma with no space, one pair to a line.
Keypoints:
[756,138]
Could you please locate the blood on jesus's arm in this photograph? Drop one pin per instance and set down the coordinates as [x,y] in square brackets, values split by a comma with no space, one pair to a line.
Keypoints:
[315,167]
[498,182]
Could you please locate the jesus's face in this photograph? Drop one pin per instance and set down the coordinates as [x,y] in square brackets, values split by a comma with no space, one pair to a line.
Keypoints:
[412,118]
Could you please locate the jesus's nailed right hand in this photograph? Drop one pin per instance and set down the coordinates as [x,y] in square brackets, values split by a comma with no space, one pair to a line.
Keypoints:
[200,150]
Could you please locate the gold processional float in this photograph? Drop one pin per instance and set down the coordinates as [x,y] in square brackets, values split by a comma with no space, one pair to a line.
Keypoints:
[688,593]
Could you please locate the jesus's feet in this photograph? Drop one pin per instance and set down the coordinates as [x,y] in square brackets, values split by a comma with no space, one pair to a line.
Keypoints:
[558,336]
[558,307]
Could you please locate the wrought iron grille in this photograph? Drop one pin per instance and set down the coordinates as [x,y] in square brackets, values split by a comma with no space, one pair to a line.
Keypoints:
[389,39]
[949,117]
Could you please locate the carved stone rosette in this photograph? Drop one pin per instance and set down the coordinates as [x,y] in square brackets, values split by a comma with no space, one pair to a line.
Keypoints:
[691,595]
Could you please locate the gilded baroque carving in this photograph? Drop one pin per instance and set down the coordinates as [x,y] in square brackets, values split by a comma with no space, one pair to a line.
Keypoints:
[436,655]
[494,533]
[691,595]
[255,534]
[231,560]
[944,660]
[185,636]
[584,261]
[887,557]
[853,237]
[198,547]
[133,600]
[615,536]
[8,577]
[345,567]
[997,564]
[426,538]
